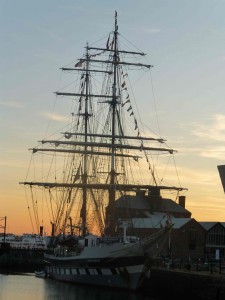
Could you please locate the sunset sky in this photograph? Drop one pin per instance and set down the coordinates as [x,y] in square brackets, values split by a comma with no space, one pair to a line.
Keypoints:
[184,40]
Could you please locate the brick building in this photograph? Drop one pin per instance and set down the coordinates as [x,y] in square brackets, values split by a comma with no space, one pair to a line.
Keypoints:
[146,214]
[215,239]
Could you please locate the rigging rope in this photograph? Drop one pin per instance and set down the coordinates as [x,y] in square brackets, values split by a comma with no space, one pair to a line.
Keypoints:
[35,209]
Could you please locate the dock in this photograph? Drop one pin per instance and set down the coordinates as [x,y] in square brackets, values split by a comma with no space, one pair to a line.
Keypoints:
[191,284]
[21,259]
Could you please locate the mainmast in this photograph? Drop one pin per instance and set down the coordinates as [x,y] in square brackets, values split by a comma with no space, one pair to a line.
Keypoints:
[112,192]
[84,176]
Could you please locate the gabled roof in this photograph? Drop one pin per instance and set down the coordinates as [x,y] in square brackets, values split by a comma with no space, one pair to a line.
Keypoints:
[158,220]
[145,203]
[133,202]
[172,206]
[208,225]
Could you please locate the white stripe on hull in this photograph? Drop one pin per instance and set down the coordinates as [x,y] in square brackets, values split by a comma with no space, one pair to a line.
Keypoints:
[125,277]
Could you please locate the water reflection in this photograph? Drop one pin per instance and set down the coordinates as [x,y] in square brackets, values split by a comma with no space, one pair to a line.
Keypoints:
[27,286]
[53,289]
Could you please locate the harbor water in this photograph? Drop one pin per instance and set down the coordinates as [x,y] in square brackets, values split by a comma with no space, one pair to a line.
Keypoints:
[26,286]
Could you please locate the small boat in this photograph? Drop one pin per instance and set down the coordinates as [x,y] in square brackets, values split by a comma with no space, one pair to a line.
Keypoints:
[41,274]
[101,160]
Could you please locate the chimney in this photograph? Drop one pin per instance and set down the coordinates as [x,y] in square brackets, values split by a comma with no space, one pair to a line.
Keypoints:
[182,201]
[41,230]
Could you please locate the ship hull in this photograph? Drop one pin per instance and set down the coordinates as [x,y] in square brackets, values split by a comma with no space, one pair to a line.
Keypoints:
[123,272]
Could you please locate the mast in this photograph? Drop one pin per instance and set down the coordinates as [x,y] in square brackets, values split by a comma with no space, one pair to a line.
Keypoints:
[112,191]
[84,179]
[4,227]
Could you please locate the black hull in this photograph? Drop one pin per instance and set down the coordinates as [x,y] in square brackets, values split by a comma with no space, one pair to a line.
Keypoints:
[120,272]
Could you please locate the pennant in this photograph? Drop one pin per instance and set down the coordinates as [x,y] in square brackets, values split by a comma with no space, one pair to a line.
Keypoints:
[132,113]
[123,84]
[125,103]
[129,108]
[112,44]
[107,44]
[79,64]
[135,121]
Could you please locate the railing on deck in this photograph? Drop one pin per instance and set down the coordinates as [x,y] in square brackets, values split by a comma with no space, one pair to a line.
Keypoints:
[211,266]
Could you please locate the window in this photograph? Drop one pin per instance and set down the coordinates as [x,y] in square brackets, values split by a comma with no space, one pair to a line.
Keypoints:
[216,236]
[192,239]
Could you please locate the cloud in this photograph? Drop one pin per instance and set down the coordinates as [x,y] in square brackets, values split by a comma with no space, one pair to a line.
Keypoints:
[49,33]
[217,153]
[151,30]
[55,117]
[11,104]
[213,130]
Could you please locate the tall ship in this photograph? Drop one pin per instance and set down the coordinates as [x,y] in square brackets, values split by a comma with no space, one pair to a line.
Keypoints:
[101,158]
